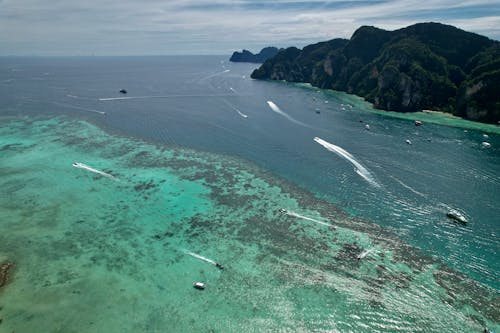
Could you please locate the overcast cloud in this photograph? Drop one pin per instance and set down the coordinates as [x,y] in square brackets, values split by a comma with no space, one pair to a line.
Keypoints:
[134,27]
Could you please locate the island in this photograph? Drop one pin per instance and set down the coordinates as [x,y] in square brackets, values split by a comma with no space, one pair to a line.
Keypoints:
[429,66]
[247,56]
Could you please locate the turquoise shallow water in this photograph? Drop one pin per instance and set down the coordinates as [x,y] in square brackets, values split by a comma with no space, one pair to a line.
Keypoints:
[95,254]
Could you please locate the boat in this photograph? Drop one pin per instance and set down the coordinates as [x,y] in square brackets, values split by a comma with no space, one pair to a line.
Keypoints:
[123,91]
[408,141]
[282,210]
[418,123]
[486,144]
[199,285]
[364,254]
[219,266]
[457,216]
[367,127]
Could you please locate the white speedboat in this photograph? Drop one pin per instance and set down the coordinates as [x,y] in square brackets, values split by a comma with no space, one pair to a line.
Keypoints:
[457,216]
[199,285]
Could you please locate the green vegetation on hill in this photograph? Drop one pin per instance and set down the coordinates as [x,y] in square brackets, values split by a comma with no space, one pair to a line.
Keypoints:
[423,66]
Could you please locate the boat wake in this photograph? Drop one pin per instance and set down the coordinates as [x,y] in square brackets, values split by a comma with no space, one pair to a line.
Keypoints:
[104,99]
[88,168]
[309,219]
[408,187]
[198,256]
[360,169]
[276,109]
[120,98]
[78,108]
[364,254]
[235,109]
[241,113]
[213,75]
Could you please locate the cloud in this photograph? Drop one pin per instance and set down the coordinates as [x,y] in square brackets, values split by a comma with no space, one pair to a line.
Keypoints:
[218,26]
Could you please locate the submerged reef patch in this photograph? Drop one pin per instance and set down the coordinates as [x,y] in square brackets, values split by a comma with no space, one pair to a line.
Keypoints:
[4,273]
[106,251]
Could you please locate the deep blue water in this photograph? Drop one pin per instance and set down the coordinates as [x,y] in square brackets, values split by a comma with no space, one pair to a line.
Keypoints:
[200,102]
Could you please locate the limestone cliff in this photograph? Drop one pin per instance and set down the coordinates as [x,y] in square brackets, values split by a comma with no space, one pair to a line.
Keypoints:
[423,66]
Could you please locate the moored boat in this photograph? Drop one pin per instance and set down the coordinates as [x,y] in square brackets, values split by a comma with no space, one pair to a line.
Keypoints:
[199,285]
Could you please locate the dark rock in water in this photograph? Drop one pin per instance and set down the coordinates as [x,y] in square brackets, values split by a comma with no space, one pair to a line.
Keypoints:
[423,66]
[4,273]
[247,56]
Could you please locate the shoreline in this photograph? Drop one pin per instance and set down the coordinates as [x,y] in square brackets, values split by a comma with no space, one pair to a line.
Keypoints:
[429,116]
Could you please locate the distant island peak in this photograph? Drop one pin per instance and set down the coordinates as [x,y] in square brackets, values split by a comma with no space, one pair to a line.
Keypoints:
[247,56]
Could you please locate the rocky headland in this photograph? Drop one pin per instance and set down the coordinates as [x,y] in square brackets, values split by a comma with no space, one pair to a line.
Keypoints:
[423,66]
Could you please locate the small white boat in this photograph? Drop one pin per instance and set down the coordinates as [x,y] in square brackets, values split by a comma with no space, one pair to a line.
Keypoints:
[457,216]
[367,127]
[408,141]
[486,144]
[199,285]
[418,123]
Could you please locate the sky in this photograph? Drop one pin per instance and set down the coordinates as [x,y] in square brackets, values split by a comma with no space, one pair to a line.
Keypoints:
[164,27]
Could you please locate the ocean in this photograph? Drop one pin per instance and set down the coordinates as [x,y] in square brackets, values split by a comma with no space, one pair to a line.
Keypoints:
[191,167]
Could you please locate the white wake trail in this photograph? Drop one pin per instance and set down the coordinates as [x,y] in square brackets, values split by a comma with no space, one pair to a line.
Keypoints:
[104,99]
[308,218]
[241,113]
[120,98]
[276,109]
[88,168]
[235,109]
[408,187]
[78,108]
[198,256]
[360,169]
[364,254]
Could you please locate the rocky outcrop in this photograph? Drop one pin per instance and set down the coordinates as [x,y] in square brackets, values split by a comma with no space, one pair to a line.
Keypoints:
[247,56]
[424,66]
